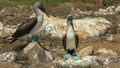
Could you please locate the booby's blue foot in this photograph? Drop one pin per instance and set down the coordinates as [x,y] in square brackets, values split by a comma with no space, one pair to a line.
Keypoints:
[75,57]
[67,56]
[34,40]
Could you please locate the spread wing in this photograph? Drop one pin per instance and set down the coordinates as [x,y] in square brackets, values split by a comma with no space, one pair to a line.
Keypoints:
[76,40]
[25,28]
[64,42]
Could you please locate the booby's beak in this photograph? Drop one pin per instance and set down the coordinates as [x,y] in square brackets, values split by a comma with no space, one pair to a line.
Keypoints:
[42,8]
[46,13]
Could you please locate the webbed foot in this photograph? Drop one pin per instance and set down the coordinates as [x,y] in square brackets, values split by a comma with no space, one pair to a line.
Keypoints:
[67,56]
[34,40]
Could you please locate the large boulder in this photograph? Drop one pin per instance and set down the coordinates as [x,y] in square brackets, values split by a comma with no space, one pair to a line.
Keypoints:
[87,27]
[36,54]
[92,26]
[7,31]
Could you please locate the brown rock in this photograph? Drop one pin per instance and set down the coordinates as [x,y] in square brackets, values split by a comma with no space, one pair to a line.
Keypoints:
[43,65]
[86,51]
[10,65]
[81,34]
[114,38]
[35,53]
[106,53]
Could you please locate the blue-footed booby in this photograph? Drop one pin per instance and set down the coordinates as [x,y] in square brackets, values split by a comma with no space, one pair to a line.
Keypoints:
[70,40]
[31,26]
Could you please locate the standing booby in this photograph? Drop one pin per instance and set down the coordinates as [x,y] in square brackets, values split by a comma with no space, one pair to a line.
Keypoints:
[70,40]
[30,27]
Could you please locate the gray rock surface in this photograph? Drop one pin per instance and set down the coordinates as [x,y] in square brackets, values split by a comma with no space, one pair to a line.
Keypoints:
[36,54]
[8,57]
[117,9]
[7,31]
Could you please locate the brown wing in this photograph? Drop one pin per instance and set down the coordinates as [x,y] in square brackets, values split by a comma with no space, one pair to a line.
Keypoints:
[64,42]
[25,28]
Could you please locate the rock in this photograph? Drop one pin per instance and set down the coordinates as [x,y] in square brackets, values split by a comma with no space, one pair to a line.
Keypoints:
[110,38]
[10,65]
[113,65]
[92,26]
[106,53]
[1,28]
[85,61]
[117,9]
[107,61]
[36,54]
[111,9]
[108,11]
[8,57]
[114,38]
[50,29]
[88,51]
[48,56]
[89,27]
[8,31]
[106,56]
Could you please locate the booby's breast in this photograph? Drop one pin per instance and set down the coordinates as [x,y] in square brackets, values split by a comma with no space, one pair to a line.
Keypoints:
[70,39]
[38,25]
